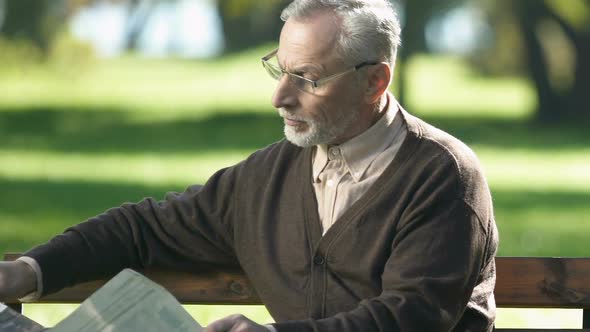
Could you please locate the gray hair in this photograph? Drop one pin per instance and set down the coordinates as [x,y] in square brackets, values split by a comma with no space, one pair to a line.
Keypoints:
[370,29]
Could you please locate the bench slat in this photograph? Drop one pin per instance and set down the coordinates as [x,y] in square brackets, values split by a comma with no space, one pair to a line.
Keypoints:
[543,282]
[221,287]
[526,282]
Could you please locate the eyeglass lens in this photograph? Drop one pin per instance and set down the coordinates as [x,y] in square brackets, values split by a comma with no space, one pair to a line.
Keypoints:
[276,73]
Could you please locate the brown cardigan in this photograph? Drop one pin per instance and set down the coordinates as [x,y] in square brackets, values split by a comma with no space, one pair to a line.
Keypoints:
[415,253]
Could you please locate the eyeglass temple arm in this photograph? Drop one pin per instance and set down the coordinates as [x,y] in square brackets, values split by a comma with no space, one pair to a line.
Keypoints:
[316,84]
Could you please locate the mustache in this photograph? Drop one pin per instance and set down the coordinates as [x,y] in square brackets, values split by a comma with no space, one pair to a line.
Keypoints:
[289,115]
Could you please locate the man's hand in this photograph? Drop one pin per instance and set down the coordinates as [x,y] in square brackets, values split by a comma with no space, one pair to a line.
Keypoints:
[235,323]
[17,279]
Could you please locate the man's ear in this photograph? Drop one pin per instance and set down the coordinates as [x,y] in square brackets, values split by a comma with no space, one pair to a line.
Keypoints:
[379,77]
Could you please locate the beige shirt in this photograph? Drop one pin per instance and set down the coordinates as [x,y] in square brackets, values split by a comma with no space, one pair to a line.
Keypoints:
[343,173]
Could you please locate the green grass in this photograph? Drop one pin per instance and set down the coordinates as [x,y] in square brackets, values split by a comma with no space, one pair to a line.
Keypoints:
[76,142]
[49,315]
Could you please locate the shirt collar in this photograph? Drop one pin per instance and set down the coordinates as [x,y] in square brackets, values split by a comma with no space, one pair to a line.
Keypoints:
[320,160]
[359,152]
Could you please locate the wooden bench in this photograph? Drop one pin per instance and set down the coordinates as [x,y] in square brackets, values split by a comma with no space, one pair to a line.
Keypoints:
[522,282]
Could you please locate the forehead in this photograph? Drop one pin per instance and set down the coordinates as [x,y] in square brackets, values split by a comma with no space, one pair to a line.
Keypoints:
[309,41]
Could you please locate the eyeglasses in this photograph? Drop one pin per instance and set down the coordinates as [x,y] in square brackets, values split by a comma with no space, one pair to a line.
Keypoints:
[300,82]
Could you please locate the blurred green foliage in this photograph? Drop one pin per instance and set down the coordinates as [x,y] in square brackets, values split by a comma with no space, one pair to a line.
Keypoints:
[546,40]
[20,56]
[18,53]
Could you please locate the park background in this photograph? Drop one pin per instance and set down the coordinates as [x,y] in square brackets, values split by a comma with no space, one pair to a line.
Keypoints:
[104,102]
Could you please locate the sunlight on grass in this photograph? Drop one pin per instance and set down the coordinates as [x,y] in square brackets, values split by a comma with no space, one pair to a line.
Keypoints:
[446,84]
[537,171]
[50,314]
[539,318]
[505,168]
[147,86]
[208,314]
[147,169]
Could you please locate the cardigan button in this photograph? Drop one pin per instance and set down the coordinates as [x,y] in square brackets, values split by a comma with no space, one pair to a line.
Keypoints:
[319,260]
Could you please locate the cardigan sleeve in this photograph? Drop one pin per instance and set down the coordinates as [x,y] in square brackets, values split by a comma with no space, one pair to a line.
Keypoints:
[186,231]
[441,256]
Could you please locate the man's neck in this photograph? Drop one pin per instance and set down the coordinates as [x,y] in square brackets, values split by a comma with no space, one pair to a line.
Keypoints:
[379,110]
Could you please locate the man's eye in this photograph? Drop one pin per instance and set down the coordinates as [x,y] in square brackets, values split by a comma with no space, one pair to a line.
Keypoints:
[309,76]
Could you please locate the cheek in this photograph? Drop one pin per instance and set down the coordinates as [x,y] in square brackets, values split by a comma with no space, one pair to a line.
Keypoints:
[326,112]
[315,108]
[330,107]
[336,108]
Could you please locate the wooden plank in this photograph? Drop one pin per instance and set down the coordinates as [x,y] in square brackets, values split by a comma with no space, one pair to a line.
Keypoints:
[224,287]
[542,282]
[521,282]
[219,287]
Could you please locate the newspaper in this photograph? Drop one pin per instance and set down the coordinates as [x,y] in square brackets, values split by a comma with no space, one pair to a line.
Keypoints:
[129,302]
[11,321]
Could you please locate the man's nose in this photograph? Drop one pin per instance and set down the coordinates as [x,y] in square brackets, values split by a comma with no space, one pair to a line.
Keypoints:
[285,93]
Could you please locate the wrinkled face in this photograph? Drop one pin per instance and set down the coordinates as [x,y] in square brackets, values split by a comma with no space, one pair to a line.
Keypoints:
[329,115]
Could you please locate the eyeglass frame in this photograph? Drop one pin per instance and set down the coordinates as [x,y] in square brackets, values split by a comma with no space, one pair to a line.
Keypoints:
[314,83]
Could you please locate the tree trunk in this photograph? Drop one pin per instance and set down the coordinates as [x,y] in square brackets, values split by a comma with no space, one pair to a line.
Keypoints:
[530,12]
[554,106]
[416,13]
[24,20]
[255,25]
[580,93]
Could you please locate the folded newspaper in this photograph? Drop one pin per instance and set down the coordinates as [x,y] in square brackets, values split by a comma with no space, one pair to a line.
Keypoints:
[10,321]
[128,302]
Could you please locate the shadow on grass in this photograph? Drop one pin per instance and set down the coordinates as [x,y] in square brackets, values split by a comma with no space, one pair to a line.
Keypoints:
[514,133]
[109,130]
[530,223]
[33,211]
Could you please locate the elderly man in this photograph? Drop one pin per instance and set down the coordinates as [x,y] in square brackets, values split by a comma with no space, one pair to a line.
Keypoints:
[364,219]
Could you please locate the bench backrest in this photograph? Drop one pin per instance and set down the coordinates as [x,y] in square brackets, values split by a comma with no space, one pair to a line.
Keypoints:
[522,282]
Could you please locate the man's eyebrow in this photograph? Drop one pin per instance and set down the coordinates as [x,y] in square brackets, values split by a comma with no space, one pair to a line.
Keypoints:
[305,67]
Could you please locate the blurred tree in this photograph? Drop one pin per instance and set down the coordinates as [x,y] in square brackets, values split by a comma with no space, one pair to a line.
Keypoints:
[37,21]
[416,14]
[139,12]
[24,20]
[250,22]
[556,35]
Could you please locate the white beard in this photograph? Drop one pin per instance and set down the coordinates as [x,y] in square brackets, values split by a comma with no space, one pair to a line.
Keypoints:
[317,132]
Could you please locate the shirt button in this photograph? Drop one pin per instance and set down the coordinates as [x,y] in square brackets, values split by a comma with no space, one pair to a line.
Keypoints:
[335,152]
[318,260]
[330,183]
